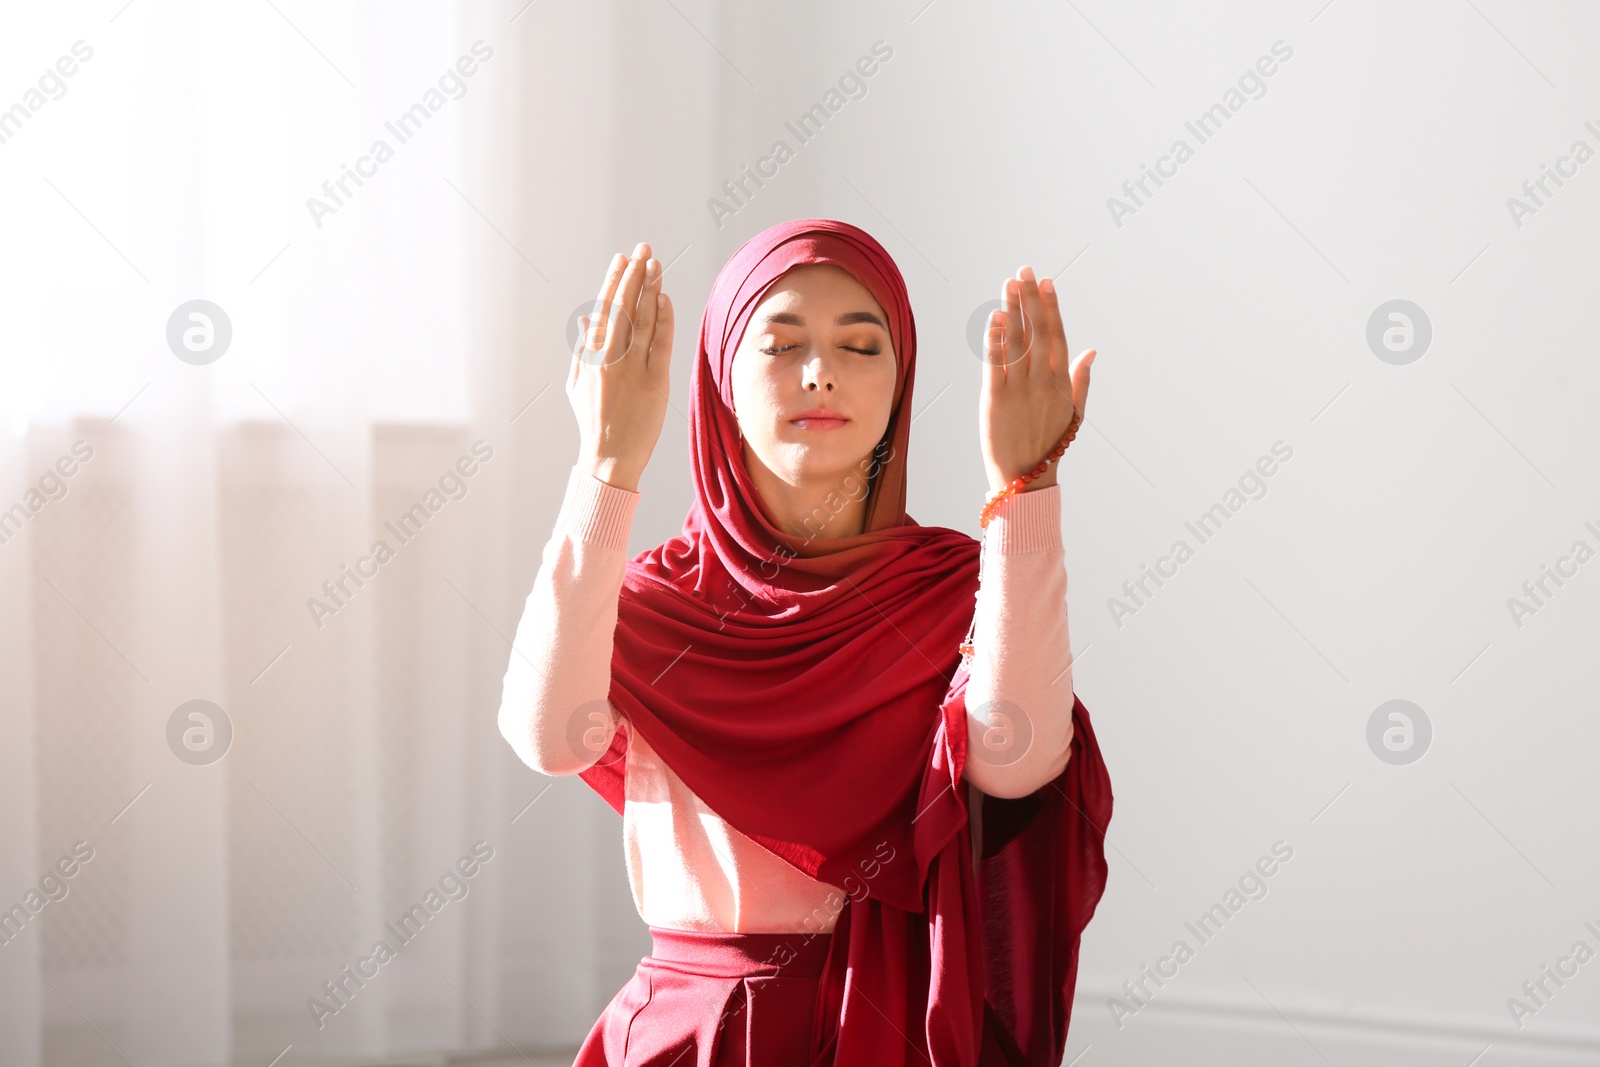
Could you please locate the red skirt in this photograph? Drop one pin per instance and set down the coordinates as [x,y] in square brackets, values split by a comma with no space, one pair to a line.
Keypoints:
[704,999]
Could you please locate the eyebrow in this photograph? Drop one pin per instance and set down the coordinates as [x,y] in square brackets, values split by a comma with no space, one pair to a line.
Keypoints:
[849,318]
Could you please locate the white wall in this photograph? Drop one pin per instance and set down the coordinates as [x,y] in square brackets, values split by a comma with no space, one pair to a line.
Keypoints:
[1231,313]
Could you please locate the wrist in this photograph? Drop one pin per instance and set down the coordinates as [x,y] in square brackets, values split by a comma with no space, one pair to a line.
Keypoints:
[611,471]
[1044,481]
[997,482]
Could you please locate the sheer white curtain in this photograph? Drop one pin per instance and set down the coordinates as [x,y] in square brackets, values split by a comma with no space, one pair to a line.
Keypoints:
[323,529]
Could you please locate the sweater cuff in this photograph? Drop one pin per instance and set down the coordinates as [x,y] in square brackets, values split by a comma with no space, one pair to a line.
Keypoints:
[595,512]
[1027,522]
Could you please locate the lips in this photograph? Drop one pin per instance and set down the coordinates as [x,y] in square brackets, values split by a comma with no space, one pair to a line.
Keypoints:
[819,419]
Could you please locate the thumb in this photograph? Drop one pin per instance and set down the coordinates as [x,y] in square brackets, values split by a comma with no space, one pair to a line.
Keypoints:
[1080,378]
[577,352]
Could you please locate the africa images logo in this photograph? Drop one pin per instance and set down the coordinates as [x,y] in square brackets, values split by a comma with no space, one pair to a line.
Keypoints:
[403,128]
[453,884]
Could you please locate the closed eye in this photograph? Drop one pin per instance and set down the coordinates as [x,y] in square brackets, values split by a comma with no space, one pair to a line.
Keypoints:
[847,348]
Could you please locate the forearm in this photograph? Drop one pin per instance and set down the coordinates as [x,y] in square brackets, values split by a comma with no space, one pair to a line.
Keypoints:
[554,710]
[1019,690]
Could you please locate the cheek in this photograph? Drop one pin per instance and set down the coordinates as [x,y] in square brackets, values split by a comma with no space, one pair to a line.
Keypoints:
[744,387]
[882,387]
[755,397]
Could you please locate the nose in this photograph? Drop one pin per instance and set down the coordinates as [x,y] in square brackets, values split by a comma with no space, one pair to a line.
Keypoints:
[814,375]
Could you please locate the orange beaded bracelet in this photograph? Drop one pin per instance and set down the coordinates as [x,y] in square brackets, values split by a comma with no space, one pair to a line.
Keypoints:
[1017,483]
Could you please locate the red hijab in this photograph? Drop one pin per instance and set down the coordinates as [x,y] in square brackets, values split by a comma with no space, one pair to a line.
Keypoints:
[810,691]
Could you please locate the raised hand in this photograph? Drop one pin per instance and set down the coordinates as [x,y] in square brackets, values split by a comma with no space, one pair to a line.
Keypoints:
[1030,395]
[619,380]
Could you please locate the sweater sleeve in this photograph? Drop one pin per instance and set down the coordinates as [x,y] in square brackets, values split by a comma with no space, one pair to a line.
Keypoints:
[553,705]
[1019,685]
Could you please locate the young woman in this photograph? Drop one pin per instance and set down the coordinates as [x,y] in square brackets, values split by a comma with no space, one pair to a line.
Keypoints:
[863,810]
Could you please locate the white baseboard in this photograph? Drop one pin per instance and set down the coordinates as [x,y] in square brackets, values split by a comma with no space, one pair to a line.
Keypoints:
[1194,1031]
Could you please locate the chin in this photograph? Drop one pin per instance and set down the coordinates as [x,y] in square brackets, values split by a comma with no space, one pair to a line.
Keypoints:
[825,465]
[817,458]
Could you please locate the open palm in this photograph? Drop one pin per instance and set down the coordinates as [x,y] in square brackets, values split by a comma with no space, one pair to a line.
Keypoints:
[1031,394]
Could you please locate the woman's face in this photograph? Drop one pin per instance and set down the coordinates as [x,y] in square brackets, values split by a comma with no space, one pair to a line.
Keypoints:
[818,340]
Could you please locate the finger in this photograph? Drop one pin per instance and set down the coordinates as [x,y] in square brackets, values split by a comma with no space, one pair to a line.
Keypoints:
[1060,354]
[1037,342]
[625,305]
[644,319]
[1012,300]
[660,358]
[602,303]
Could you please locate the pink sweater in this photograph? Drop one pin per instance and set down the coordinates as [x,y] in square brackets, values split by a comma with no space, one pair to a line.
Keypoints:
[689,869]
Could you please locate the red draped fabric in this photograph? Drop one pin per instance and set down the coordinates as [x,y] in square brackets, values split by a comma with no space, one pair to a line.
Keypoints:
[811,692]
